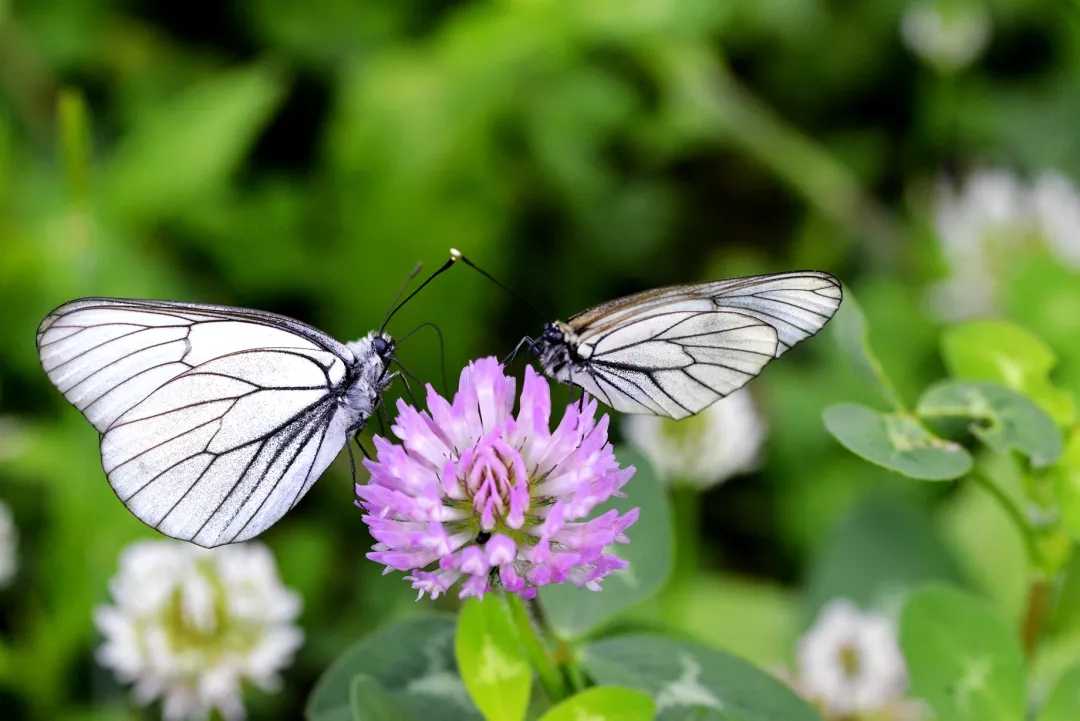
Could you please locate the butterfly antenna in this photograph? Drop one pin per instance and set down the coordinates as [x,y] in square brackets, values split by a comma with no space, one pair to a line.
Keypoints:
[513,294]
[442,347]
[454,257]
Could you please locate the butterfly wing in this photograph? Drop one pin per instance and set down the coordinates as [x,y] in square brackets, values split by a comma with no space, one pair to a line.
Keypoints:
[215,421]
[674,362]
[674,351]
[796,304]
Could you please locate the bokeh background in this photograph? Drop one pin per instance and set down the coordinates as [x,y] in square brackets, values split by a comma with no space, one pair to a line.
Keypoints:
[303,157]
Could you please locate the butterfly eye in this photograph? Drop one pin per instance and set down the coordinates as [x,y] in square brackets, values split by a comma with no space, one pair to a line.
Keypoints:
[381,346]
[552,333]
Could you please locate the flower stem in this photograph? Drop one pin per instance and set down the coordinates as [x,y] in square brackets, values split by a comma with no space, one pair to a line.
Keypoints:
[1038,604]
[726,108]
[686,509]
[1038,599]
[1015,514]
[536,649]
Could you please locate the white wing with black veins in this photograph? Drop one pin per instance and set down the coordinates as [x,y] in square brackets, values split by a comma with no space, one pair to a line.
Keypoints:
[214,421]
[675,351]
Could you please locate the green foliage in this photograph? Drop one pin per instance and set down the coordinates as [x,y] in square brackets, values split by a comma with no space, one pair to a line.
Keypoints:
[852,332]
[408,666]
[863,562]
[604,703]
[370,701]
[493,664]
[1068,485]
[963,659]
[572,611]
[897,441]
[183,151]
[1010,355]
[1064,701]
[1002,419]
[689,681]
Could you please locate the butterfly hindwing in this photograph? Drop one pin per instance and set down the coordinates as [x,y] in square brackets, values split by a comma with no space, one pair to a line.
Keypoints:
[675,363]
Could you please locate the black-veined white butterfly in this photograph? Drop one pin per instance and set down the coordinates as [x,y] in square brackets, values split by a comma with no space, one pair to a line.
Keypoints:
[674,351]
[214,421]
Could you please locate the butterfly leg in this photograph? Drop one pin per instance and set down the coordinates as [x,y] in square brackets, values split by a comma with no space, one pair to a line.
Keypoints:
[360,445]
[405,375]
[442,348]
[352,462]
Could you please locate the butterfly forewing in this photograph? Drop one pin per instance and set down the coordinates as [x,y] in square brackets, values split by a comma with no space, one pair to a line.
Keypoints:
[796,304]
[674,351]
[215,421]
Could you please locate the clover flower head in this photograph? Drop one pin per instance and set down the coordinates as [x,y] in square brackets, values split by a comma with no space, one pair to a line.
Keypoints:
[188,625]
[947,35]
[701,451]
[989,218]
[476,494]
[850,663]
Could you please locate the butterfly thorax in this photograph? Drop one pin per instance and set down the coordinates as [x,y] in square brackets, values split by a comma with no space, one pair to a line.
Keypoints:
[557,351]
[368,376]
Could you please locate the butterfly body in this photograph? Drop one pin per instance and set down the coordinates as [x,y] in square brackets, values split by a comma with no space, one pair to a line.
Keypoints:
[674,351]
[368,377]
[215,421]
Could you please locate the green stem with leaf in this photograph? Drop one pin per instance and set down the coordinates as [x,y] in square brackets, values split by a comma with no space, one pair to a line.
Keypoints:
[1038,599]
[536,649]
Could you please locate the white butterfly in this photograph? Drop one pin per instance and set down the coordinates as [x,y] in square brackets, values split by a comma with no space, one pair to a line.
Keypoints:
[214,421]
[674,351]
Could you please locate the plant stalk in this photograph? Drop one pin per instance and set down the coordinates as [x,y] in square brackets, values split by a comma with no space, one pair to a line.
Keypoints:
[536,650]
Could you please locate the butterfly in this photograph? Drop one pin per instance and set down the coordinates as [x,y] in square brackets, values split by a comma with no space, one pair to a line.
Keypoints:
[674,351]
[214,421]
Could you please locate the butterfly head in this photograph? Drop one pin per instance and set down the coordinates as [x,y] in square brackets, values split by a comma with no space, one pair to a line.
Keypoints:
[383,345]
[556,349]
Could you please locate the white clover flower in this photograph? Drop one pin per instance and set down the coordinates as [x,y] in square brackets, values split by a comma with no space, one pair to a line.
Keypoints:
[947,35]
[984,222]
[9,545]
[849,662]
[723,440]
[12,438]
[1055,204]
[189,625]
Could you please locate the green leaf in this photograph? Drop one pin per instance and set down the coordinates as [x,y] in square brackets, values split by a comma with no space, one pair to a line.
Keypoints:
[1008,354]
[412,661]
[1003,419]
[186,147]
[493,663]
[689,681]
[604,703]
[1064,701]
[754,620]
[1067,485]
[370,701]
[896,441]
[851,332]
[963,659]
[861,559]
[571,611]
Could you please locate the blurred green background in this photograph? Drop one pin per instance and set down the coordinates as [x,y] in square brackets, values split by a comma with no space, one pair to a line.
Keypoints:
[303,157]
